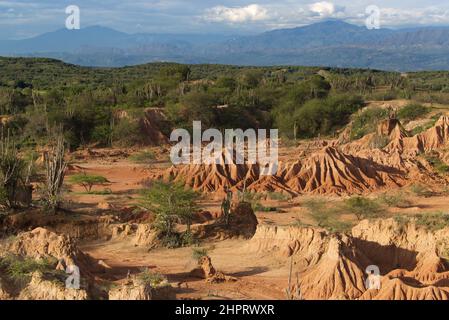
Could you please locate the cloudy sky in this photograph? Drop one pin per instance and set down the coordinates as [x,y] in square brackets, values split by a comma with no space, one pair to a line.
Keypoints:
[24,18]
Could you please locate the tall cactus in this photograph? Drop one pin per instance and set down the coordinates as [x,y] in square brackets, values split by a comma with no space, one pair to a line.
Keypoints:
[55,173]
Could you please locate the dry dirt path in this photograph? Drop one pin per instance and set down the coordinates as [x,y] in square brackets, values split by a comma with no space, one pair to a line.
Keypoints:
[260,277]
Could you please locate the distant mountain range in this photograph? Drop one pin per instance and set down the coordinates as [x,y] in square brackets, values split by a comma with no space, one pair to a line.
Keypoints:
[331,43]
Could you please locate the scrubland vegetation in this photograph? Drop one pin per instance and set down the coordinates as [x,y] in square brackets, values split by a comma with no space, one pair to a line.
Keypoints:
[36,94]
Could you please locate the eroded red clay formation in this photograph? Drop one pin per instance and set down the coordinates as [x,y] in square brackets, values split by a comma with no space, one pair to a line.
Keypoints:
[355,167]
[333,266]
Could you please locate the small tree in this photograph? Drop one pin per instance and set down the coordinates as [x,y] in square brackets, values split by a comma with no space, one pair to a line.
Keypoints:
[12,168]
[55,167]
[363,208]
[171,202]
[88,181]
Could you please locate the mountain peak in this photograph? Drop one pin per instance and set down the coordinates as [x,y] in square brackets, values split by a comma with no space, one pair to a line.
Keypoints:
[330,42]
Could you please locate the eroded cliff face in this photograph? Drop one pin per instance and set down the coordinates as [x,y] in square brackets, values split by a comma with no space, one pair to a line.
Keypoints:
[52,254]
[336,169]
[333,266]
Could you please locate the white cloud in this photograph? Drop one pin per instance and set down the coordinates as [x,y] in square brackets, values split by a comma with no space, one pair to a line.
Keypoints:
[253,12]
[323,8]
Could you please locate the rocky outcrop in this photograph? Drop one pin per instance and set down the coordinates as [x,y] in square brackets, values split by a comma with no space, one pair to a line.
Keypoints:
[309,243]
[434,138]
[339,274]
[136,289]
[242,223]
[42,243]
[146,236]
[206,271]
[42,289]
[332,172]
[328,171]
[334,266]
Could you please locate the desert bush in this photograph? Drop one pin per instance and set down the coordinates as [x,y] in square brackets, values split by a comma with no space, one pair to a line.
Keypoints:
[126,132]
[279,196]
[412,111]
[398,200]
[421,190]
[12,172]
[253,198]
[325,116]
[314,205]
[19,269]
[102,135]
[104,192]
[326,216]
[152,279]
[171,202]
[419,129]
[198,253]
[145,156]
[383,95]
[401,220]
[363,208]
[438,165]
[428,125]
[88,181]
[432,221]
[258,207]
[366,121]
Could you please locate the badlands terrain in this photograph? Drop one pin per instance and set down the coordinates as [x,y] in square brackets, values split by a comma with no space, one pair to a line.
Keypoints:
[335,207]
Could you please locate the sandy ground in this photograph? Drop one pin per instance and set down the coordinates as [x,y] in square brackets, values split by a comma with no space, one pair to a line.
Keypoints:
[260,277]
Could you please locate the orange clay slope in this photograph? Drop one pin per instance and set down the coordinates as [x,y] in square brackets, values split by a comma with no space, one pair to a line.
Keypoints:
[354,167]
[333,266]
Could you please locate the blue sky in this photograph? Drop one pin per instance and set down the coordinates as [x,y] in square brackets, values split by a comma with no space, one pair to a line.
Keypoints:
[24,18]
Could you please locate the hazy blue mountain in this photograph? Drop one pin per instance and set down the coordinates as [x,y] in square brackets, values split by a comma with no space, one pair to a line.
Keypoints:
[324,34]
[328,43]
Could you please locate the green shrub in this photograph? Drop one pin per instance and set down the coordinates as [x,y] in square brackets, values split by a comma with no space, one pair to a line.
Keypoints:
[171,202]
[12,172]
[437,164]
[279,196]
[152,279]
[401,220]
[412,111]
[146,156]
[366,122]
[102,134]
[198,253]
[398,200]
[103,192]
[325,116]
[327,216]
[19,269]
[432,221]
[421,190]
[384,95]
[363,208]
[258,207]
[127,132]
[88,181]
